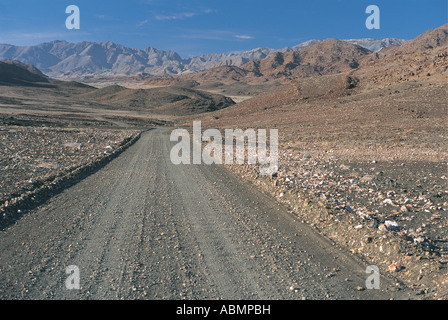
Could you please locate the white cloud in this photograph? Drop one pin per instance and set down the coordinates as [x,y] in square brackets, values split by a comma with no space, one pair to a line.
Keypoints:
[177,16]
[221,35]
[183,15]
[142,23]
[208,11]
[207,34]
[243,37]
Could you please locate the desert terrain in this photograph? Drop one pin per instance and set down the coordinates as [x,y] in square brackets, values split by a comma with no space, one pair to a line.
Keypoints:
[362,178]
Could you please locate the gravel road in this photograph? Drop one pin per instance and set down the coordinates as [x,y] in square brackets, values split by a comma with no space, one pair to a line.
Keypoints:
[143,228]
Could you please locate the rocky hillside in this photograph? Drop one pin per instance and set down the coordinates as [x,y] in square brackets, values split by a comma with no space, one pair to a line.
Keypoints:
[15,72]
[165,100]
[424,57]
[326,57]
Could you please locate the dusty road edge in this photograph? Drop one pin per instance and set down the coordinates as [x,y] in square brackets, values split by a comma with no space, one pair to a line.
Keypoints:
[430,268]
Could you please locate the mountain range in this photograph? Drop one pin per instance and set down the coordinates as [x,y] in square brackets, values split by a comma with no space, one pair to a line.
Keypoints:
[84,60]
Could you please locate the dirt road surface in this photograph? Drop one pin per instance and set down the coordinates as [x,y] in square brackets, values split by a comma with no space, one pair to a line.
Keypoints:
[144,228]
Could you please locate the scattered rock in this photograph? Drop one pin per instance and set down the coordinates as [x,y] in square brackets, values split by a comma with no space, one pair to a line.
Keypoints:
[395,267]
[307,155]
[392,225]
[367,178]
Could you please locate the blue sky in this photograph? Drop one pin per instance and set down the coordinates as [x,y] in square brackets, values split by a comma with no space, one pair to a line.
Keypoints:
[197,27]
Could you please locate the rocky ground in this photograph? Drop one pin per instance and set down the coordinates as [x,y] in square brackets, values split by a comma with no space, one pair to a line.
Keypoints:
[393,214]
[34,157]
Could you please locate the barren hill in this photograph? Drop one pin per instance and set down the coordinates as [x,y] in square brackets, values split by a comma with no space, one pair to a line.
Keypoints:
[430,39]
[326,57]
[15,72]
[224,74]
[424,57]
[164,100]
